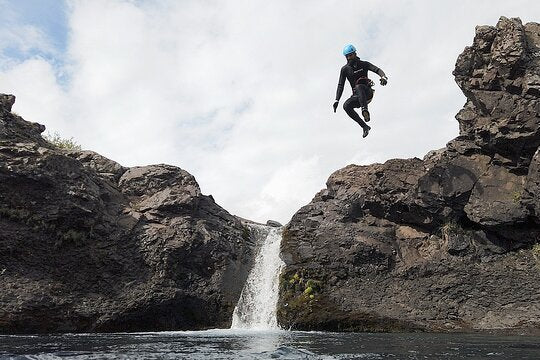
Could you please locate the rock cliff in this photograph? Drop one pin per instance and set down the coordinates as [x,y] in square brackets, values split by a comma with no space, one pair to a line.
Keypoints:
[449,242]
[89,245]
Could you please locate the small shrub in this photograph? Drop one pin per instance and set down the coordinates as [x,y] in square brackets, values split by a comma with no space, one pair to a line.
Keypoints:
[61,143]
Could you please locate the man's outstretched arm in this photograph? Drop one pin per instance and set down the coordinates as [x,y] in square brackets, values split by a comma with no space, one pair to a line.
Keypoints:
[378,71]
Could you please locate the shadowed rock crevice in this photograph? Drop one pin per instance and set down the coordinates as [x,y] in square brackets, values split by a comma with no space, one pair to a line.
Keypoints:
[446,243]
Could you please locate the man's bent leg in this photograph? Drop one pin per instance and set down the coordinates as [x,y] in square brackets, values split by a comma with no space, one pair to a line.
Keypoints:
[360,93]
[364,93]
[349,106]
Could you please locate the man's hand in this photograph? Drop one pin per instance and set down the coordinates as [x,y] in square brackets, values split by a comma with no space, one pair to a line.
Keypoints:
[384,81]
[335,105]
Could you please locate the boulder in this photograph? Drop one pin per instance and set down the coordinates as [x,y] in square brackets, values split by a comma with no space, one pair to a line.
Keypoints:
[273,223]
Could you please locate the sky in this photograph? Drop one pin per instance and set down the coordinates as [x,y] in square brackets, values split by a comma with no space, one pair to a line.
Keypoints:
[239,93]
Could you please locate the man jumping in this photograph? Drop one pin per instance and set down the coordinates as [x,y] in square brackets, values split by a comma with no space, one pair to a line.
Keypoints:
[356,71]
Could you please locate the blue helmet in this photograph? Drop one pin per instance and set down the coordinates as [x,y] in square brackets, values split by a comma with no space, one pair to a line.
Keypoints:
[349,49]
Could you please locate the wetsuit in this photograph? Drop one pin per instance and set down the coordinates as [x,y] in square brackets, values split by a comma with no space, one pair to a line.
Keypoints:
[356,71]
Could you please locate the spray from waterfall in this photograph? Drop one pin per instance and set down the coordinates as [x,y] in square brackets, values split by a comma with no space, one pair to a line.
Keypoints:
[257,306]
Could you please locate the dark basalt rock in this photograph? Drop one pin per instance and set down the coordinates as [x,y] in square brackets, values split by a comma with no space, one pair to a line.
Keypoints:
[446,243]
[273,223]
[499,75]
[89,245]
[531,195]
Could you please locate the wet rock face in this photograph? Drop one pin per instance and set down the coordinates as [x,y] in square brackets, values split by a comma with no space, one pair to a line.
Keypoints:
[89,245]
[445,243]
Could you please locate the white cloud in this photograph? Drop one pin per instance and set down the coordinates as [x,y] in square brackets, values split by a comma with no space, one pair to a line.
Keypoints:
[35,85]
[25,38]
[239,93]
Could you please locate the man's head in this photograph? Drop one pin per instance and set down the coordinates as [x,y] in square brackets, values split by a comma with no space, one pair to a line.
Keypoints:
[349,51]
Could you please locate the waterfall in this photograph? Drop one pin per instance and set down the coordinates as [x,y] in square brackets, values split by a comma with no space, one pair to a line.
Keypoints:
[256,308]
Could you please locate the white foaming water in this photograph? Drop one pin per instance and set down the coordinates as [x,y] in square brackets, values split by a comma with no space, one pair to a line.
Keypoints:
[256,308]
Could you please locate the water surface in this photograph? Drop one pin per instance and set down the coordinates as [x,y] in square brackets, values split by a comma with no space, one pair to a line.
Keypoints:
[244,344]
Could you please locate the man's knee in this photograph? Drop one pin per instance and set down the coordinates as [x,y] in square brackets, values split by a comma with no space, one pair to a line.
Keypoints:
[350,104]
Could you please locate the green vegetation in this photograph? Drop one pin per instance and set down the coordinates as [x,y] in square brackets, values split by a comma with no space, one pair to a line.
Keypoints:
[516,196]
[536,253]
[298,290]
[61,143]
[301,297]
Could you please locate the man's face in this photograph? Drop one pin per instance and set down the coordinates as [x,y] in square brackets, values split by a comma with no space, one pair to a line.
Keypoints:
[350,56]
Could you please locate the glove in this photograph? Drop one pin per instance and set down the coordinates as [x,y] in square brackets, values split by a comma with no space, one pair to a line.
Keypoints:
[384,81]
[335,105]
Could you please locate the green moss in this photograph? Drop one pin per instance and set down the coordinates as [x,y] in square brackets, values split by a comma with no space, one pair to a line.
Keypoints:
[315,284]
[298,295]
[305,305]
[536,253]
[516,196]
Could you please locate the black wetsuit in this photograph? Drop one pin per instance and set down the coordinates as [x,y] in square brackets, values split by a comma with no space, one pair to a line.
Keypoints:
[356,71]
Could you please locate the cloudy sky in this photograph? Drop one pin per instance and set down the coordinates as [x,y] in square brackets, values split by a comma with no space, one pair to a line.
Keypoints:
[239,93]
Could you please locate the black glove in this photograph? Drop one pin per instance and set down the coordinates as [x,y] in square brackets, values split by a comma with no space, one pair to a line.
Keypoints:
[335,105]
[384,81]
